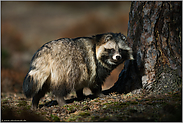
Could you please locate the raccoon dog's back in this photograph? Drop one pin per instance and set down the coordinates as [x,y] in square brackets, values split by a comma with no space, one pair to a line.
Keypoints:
[61,62]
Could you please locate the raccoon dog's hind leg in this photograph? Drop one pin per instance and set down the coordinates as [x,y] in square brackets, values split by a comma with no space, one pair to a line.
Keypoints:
[39,95]
[60,91]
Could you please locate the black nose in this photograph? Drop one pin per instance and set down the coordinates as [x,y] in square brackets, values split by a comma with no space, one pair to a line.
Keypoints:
[118,57]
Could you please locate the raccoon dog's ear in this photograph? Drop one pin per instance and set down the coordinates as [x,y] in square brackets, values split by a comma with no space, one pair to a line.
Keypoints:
[108,38]
[123,36]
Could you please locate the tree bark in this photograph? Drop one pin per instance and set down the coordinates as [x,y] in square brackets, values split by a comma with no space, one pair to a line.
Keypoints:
[155,35]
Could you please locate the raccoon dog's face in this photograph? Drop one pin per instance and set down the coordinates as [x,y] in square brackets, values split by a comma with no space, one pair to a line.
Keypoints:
[112,49]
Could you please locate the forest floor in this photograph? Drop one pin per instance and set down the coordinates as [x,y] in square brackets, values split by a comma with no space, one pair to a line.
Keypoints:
[112,107]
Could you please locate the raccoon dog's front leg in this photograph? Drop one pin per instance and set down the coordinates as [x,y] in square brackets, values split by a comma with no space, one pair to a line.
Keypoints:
[96,90]
[80,94]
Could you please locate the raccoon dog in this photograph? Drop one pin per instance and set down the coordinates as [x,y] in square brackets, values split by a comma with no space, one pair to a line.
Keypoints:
[64,65]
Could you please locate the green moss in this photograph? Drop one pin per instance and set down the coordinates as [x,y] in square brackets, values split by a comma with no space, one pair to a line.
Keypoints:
[114,103]
[71,108]
[21,103]
[80,116]
[4,101]
[28,107]
[4,107]
[55,118]
[96,99]
[85,107]
[95,118]
[117,105]
[107,103]
[125,103]
[84,114]
[105,119]
[74,118]
[134,102]
[43,113]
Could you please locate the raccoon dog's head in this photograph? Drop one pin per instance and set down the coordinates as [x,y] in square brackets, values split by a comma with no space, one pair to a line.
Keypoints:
[111,49]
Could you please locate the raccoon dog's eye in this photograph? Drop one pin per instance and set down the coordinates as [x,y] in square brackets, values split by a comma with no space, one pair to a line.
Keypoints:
[111,50]
[122,51]
[108,38]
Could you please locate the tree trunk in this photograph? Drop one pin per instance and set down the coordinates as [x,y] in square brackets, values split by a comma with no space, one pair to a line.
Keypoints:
[155,35]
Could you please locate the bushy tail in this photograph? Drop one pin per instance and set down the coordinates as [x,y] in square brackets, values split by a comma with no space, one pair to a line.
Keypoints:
[28,86]
[33,82]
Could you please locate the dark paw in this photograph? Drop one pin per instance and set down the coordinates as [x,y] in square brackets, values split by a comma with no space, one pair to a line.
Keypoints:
[81,97]
[51,103]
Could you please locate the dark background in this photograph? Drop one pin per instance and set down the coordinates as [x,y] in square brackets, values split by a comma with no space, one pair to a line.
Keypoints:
[26,26]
